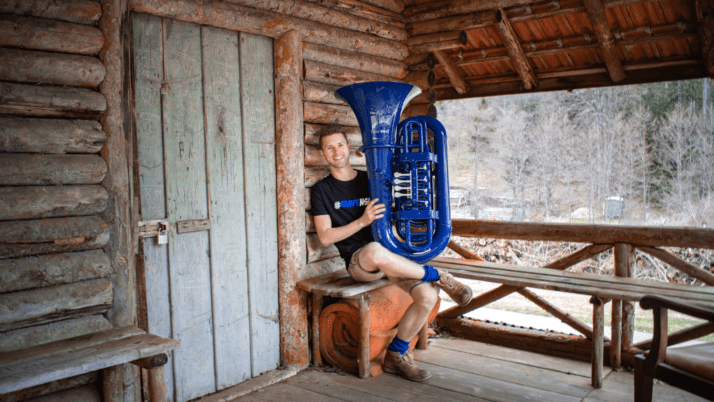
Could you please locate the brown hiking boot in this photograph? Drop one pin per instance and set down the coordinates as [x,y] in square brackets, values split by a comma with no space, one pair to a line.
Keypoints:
[459,293]
[396,363]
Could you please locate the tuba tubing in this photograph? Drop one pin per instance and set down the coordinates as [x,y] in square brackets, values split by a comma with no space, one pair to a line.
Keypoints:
[424,229]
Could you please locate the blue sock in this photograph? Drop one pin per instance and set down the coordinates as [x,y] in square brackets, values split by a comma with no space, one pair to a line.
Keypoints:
[430,274]
[398,345]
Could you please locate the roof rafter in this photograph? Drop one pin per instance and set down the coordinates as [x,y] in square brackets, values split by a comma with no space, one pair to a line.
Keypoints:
[596,13]
[704,10]
[457,81]
[515,52]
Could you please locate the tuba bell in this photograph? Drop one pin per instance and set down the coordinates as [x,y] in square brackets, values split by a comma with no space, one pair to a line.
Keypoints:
[408,174]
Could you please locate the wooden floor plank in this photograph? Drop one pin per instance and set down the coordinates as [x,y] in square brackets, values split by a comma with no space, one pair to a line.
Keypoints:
[562,365]
[286,392]
[619,386]
[396,388]
[529,376]
[317,382]
[489,388]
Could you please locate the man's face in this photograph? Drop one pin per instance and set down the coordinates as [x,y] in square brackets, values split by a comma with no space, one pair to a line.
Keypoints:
[336,150]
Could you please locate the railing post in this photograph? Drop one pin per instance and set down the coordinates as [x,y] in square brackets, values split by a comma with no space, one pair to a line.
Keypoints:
[623,268]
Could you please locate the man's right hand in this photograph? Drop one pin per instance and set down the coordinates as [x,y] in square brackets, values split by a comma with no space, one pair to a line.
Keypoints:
[372,212]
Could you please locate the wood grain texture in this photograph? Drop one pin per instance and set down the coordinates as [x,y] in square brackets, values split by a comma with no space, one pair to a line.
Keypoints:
[149,72]
[335,75]
[602,234]
[38,170]
[52,269]
[185,158]
[313,12]
[293,304]
[53,387]
[466,21]
[56,235]
[36,67]
[85,12]
[260,22]
[54,331]
[256,54]
[313,174]
[51,136]
[224,142]
[354,60]
[322,113]
[51,36]
[49,202]
[86,393]
[40,306]
[321,93]
[79,357]
[50,101]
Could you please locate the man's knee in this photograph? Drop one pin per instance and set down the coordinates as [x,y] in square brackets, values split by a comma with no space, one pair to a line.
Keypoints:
[375,254]
[425,295]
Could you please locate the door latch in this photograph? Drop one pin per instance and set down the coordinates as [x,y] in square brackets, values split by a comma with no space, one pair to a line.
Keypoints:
[155,227]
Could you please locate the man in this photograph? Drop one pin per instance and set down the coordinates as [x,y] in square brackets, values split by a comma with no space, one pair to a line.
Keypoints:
[343,213]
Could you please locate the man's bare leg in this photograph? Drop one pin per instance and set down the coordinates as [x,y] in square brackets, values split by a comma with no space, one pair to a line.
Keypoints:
[425,297]
[374,257]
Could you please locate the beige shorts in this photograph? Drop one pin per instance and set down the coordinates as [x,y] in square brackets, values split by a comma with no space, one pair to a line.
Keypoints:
[359,274]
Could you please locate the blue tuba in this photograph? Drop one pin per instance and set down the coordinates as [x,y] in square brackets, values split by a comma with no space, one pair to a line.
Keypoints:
[410,179]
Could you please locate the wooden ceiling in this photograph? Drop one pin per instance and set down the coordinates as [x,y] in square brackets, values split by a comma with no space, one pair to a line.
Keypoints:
[498,47]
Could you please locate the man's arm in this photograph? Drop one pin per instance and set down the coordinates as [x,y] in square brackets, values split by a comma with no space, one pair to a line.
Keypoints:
[329,235]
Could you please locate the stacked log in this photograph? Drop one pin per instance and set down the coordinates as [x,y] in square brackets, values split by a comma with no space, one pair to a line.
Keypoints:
[54,273]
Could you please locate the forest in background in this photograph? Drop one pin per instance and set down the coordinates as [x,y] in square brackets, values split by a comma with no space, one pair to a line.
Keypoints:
[567,156]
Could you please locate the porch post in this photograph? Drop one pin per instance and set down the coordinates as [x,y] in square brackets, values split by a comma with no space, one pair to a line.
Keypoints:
[290,163]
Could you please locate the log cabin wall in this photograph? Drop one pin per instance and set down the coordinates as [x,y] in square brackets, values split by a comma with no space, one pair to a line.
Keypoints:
[56,279]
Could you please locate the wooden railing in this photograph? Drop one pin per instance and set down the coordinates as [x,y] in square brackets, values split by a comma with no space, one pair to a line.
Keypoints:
[624,239]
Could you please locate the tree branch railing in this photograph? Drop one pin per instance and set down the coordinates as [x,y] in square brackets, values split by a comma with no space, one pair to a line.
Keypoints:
[624,239]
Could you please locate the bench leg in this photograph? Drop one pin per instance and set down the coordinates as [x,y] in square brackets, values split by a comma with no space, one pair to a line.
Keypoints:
[157,384]
[423,341]
[113,384]
[316,311]
[598,345]
[616,335]
[363,362]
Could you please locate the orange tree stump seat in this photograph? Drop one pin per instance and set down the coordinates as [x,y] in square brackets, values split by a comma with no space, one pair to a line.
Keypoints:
[353,332]
[36,365]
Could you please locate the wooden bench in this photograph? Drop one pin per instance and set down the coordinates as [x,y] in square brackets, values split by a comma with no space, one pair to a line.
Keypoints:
[340,285]
[600,287]
[25,368]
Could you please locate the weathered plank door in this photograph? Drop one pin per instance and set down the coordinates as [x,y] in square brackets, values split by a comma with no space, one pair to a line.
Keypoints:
[206,164]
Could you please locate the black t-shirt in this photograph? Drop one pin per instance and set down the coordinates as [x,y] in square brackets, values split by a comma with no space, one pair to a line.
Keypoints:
[344,202]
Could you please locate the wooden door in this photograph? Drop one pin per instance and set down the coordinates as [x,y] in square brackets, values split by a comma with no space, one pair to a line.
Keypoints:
[206,164]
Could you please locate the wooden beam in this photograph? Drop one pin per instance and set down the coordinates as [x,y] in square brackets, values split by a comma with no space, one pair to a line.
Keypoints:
[260,22]
[464,252]
[598,341]
[50,101]
[362,9]
[565,82]
[85,12]
[422,79]
[335,75]
[39,170]
[323,113]
[51,36]
[596,13]
[328,16]
[291,226]
[51,136]
[58,235]
[29,66]
[681,336]
[457,81]
[676,262]
[457,35]
[556,312]
[436,9]
[704,11]
[459,22]
[557,7]
[33,202]
[354,60]
[436,46]
[567,232]
[519,61]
